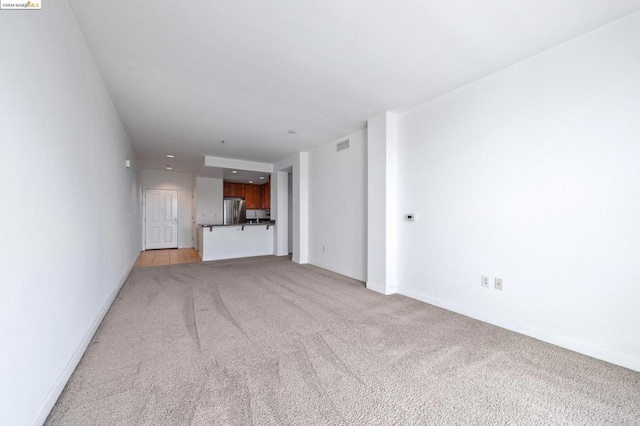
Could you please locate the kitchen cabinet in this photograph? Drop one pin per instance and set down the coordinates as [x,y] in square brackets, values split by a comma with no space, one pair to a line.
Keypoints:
[255,196]
[233,189]
[240,190]
[249,197]
[227,189]
[266,196]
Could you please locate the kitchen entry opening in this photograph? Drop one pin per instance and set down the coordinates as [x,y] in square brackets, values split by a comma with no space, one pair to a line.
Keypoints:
[160,218]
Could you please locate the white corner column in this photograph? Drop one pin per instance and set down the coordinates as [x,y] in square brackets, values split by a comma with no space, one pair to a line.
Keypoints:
[279,207]
[301,209]
[298,164]
[382,143]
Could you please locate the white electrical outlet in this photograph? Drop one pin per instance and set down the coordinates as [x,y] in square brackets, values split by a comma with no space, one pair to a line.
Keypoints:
[499,284]
[485,281]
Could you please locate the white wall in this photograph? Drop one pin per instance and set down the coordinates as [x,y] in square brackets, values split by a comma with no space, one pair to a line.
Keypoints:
[183,183]
[70,217]
[338,207]
[209,196]
[532,175]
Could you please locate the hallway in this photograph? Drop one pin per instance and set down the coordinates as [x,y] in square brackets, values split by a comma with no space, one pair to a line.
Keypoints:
[167,257]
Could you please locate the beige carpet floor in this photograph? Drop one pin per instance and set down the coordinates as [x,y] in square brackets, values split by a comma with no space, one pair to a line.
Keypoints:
[264,341]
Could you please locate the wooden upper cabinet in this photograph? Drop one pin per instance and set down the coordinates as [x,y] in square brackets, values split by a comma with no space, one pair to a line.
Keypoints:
[266,196]
[248,197]
[252,196]
[230,189]
[237,190]
[257,199]
[255,196]
[227,189]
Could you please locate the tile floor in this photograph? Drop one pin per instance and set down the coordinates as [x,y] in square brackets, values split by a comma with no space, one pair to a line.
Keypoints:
[167,257]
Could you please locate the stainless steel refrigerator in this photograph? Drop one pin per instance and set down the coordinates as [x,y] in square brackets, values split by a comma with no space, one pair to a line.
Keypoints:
[234,211]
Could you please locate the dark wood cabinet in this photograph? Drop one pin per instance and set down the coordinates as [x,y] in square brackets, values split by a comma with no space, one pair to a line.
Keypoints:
[266,196]
[249,197]
[241,190]
[232,189]
[255,196]
[227,189]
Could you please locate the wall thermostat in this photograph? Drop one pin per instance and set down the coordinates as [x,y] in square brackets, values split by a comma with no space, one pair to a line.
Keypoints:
[410,217]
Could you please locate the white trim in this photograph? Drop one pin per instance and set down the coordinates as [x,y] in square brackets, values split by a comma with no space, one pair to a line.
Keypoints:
[53,395]
[555,339]
[337,271]
[382,288]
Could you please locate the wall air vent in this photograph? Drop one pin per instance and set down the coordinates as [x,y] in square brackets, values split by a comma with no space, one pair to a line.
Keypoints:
[342,146]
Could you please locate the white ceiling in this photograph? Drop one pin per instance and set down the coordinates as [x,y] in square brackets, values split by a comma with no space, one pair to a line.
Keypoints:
[185,76]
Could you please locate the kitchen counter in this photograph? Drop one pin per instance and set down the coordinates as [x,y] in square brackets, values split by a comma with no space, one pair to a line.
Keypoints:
[216,242]
[268,224]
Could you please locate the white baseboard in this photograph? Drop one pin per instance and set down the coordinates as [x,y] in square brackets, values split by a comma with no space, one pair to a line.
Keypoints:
[338,271]
[382,288]
[562,341]
[53,395]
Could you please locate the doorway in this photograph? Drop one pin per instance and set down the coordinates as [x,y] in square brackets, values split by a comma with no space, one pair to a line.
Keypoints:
[160,219]
[290,214]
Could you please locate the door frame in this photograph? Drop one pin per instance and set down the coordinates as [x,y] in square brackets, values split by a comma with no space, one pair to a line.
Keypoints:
[144,216]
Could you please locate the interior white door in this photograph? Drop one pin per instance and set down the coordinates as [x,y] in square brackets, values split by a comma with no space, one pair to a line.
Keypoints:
[161,219]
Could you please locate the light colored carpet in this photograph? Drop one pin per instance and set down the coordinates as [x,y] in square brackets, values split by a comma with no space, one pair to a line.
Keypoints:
[264,341]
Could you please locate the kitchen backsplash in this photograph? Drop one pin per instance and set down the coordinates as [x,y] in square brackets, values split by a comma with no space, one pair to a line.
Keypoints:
[258,214]
[209,219]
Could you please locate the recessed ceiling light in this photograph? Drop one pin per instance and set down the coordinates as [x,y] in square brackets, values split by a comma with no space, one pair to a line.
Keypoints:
[234,171]
[169,168]
[261,177]
[293,132]
[170,156]
[250,181]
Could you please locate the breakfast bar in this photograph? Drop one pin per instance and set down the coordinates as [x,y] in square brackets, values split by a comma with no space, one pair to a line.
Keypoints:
[216,242]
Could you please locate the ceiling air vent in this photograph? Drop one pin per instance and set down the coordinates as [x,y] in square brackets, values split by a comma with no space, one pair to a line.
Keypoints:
[342,146]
